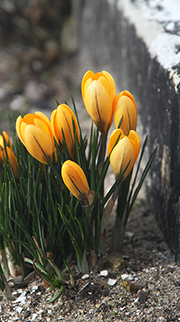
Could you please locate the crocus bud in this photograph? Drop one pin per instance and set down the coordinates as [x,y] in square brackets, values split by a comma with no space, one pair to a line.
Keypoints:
[126,150]
[75,180]
[8,153]
[125,106]
[35,132]
[62,120]
[98,93]
[5,137]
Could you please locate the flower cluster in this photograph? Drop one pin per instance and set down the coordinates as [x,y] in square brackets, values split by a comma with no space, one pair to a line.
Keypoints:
[37,132]
[101,102]
[42,137]
[53,199]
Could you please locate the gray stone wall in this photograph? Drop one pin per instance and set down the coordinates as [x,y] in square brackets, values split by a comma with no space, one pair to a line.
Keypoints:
[111,40]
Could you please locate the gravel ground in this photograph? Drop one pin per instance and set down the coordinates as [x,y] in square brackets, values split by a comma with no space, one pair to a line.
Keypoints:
[147,290]
[149,285]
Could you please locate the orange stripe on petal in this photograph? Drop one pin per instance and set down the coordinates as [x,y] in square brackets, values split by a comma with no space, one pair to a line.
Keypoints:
[62,123]
[38,143]
[75,179]
[99,106]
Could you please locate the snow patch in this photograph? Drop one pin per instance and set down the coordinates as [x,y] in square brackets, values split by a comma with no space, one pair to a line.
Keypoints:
[157,22]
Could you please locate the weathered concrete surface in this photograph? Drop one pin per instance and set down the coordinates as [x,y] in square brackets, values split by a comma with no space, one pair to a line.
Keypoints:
[139,43]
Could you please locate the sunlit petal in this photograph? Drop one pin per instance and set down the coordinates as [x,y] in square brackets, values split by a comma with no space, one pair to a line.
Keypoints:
[38,143]
[62,123]
[75,180]
[122,153]
[136,142]
[98,93]
[87,76]
[125,107]
[35,132]
[99,105]
[13,161]
[8,153]
[116,135]
[112,84]
[18,128]
[5,137]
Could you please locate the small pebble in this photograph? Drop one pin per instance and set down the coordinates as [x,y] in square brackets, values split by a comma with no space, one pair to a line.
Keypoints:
[104,273]
[111,282]
[27,313]
[85,276]
[142,296]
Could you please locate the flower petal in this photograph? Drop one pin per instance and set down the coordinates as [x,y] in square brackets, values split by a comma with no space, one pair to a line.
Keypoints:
[136,142]
[62,123]
[13,161]
[120,156]
[87,76]
[75,179]
[98,93]
[125,106]
[112,84]
[5,137]
[116,135]
[18,128]
[11,157]
[38,143]
[35,132]
[99,105]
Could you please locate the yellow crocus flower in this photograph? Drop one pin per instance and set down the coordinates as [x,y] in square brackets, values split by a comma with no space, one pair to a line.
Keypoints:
[75,180]
[10,154]
[126,149]
[98,93]
[11,157]
[124,105]
[62,123]
[35,132]
[5,137]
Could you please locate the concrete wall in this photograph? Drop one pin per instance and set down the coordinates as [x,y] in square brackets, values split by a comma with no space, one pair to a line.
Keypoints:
[139,43]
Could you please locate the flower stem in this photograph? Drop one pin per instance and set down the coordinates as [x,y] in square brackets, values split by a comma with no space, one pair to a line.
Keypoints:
[103,151]
[107,211]
[118,234]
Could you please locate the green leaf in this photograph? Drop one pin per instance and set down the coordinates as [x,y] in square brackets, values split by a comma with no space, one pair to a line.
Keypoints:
[76,114]
[145,172]
[57,271]
[2,284]
[57,295]
[122,197]
[42,271]
[74,233]
[117,182]
[56,101]
[138,167]
[122,284]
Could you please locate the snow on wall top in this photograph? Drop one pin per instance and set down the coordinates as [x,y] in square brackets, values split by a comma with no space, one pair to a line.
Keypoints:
[157,22]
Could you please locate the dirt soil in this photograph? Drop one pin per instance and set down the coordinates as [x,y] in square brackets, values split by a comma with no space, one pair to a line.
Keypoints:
[139,283]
